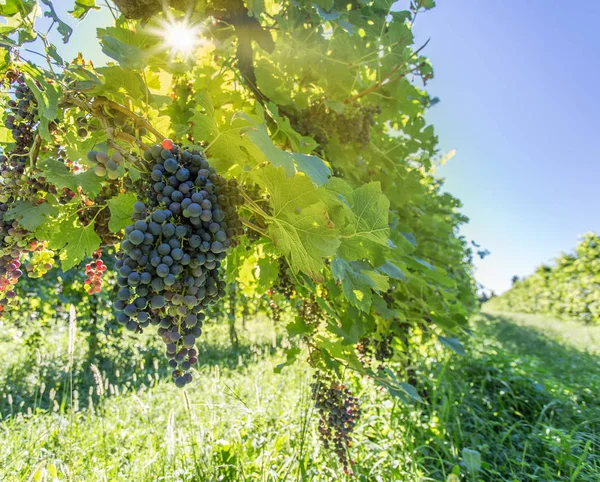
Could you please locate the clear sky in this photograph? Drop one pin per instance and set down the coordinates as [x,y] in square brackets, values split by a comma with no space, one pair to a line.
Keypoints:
[520,102]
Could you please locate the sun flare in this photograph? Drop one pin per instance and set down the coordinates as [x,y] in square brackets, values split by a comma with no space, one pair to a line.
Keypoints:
[181,38]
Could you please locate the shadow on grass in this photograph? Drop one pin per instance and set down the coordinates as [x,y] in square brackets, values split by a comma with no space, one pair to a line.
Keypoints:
[526,402]
[570,368]
[124,367]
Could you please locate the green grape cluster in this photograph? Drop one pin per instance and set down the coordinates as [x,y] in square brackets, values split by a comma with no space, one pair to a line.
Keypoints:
[352,125]
[40,262]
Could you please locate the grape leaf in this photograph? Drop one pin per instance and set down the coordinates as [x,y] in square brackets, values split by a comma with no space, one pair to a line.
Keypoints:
[118,80]
[454,344]
[303,144]
[82,7]
[355,285]
[259,136]
[391,270]
[128,56]
[121,209]
[368,224]
[89,183]
[300,226]
[47,95]
[225,143]
[62,28]
[75,242]
[58,174]
[30,215]
[313,167]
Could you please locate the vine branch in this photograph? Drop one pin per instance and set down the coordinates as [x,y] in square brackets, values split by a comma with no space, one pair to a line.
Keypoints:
[388,78]
[139,120]
[253,226]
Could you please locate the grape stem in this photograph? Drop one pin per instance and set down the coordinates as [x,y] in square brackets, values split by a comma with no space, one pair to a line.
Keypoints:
[140,121]
[254,227]
[131,139]
[35,150]
[95,109]
[252,205]
[388,78]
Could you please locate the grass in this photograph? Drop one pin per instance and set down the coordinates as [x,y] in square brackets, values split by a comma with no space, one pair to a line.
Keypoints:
[524,401]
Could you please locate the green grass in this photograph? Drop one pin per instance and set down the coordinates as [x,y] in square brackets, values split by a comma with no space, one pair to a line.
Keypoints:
[525,399]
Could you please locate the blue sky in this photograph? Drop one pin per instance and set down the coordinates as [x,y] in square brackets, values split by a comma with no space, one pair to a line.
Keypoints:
[520,104]
[518,83]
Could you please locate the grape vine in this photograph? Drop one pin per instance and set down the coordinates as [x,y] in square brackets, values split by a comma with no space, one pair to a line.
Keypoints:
[306,185]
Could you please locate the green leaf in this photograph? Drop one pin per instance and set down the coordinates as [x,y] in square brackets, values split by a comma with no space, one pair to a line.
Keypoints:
[290,357]
[82,7]
[128,56]
[391,270]
[313,167]
[355,285]
[367,225]
[273,154]
[63,28]
[75,242]
[472,460]
[30,215]
[121,81]
[121,209]
[300,225]
[298,327]
[12,7]
[58,174]
[226,143]
[89,182]
[47,95]
[453,343]
[302,144]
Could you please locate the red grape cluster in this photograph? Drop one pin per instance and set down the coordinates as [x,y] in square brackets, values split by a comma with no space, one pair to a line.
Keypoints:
[94,271]
[339,411]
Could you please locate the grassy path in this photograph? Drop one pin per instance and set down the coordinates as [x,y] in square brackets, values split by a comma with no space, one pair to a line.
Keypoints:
[524,405]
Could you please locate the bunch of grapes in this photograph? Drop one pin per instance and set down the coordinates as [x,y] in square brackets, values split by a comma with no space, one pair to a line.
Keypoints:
[339,412]
[169,262]
[275,308]
[23,116]
[84,127]
[311,312]
[352,125]
[379,349]
[11,172]
[94,272]
[284,284]
[105,164]
[41,261]
[95,211]
[13,241]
